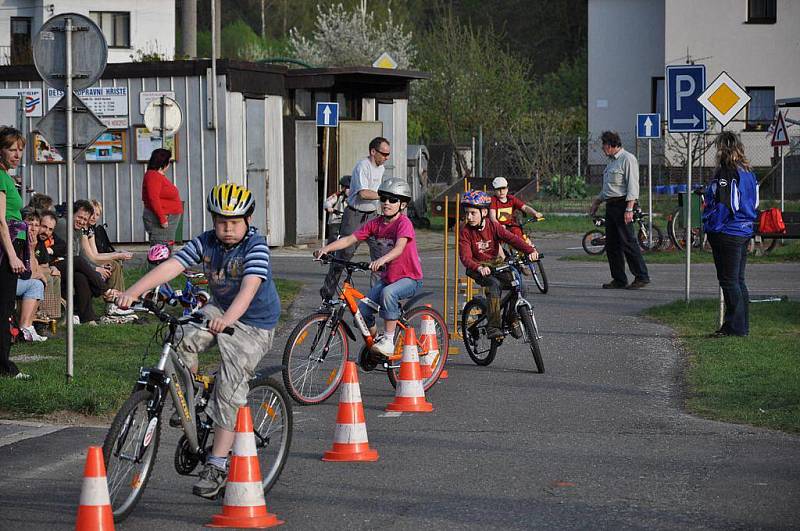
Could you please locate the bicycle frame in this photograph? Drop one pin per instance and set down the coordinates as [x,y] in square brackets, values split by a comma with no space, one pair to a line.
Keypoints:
[517,292]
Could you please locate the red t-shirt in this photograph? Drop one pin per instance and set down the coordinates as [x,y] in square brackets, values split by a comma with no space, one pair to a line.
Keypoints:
[160,196]
[506,211]
[407,265]
[478,246]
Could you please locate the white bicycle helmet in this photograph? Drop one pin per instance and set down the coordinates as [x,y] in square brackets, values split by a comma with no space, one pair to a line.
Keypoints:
[230,200]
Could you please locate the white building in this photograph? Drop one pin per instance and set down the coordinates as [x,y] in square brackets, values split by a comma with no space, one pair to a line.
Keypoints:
[131,27]
[757,42]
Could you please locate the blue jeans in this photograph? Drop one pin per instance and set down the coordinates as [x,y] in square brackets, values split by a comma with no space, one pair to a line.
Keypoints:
[730,259]
[388,297]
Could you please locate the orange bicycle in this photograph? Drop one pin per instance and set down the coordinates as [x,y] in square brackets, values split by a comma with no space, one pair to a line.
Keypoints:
[318,347]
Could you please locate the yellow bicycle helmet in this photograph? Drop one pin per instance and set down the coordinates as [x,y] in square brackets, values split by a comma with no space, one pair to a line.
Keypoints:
[230,200]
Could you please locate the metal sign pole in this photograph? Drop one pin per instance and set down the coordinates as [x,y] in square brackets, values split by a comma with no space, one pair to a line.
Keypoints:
[327,135]
[688,211]
[162,120]
[70,200]
[579,156]
[649,193]
[782,179]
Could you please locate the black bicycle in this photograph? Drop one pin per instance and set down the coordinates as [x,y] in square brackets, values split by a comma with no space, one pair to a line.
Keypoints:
[534,269]
[131,444]
[518,319]
[594,241]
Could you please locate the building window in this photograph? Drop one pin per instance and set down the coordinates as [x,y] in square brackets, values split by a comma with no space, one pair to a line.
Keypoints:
[116,27]
[761,11]
[657,96]
[21,51]
[761,109]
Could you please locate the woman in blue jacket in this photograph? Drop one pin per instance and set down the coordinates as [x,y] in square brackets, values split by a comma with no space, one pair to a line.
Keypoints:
[729,216]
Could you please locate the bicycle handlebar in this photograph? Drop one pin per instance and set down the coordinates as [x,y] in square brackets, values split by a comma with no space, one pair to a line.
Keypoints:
[351,266]
[195,317]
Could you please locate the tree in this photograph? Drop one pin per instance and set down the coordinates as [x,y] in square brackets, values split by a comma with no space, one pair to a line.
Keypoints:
[343,37]
[475,82]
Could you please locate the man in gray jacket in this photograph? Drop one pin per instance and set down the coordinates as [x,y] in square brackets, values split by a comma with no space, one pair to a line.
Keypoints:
[620,193]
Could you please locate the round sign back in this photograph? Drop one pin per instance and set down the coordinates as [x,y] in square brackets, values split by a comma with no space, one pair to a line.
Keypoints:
[172,116]
[89,52]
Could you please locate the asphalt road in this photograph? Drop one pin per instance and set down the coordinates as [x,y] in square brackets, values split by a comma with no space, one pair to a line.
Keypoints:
[599,441]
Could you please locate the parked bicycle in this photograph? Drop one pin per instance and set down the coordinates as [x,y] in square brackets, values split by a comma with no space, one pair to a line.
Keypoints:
[191,298]
[676,230]
[132,442]
[594,241]
[535,269]
[518,320]
[318,347]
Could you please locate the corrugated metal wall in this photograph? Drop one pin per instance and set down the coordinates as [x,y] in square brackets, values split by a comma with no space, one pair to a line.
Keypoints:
[203,159]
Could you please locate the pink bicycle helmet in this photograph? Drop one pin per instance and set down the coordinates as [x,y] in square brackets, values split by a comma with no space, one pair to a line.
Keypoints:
[157,253]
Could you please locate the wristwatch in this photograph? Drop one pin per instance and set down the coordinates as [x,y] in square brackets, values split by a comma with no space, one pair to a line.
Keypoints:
[628,210]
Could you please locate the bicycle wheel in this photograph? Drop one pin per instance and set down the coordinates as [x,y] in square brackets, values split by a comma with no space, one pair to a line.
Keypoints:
[272,426]
[413,318]
[676,229]
[539,276]
[594,242]
[532,334]
[129,451]
[309,378]
[658,238]
[759,246]
[474,320]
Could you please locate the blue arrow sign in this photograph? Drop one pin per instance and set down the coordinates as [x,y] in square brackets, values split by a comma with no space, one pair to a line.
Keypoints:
[327,114]
[648,125]
[684,84]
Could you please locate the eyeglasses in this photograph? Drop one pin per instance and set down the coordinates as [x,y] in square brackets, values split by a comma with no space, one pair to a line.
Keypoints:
[388,199]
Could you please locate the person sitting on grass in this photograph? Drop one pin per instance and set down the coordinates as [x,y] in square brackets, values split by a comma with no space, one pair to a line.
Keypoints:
[479,252]
[235,259]
[30,291]
[396,239]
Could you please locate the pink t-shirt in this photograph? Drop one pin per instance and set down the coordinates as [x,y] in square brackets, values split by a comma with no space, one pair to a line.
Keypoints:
[407,265]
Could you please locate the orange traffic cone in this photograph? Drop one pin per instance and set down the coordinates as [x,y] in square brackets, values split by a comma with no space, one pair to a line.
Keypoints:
[94,511]
[429,346]
[350,437]
[244,504]
[410,395]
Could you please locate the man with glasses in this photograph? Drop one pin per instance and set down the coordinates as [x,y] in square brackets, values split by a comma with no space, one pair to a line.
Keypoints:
[362,205]
[620,193]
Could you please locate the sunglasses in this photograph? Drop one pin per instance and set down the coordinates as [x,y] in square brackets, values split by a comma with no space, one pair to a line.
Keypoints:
[388,199]
[385,155]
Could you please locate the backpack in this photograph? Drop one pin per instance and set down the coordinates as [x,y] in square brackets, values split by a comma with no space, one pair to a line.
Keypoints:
[770,221]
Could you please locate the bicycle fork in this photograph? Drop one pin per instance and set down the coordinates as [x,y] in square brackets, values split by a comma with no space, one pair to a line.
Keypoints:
[528,308]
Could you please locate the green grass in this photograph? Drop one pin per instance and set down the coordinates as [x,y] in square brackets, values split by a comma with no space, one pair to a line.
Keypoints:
[790,252]
[106,362]
[752,380]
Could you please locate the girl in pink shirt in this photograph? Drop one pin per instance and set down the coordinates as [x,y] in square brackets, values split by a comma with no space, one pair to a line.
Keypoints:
[394,235]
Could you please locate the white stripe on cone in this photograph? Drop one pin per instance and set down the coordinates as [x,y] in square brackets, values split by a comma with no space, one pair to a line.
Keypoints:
[410,389]
[410,354]
[427,358]
[241,494]
[244,445]
[350,433]
[95,492]
[428,327]
[351,393]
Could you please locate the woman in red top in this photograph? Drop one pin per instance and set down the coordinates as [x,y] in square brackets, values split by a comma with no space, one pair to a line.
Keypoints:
[162,200]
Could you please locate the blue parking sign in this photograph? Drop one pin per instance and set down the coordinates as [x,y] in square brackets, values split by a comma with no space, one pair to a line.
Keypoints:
[327,114]
[648,125]
[684,84]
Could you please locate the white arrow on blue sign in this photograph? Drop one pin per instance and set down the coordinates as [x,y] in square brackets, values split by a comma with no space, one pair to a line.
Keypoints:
[648,125]
[684,84]
[327,114]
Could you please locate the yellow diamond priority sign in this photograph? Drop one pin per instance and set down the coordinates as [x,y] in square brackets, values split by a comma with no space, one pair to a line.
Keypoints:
[724,98]
[385,61]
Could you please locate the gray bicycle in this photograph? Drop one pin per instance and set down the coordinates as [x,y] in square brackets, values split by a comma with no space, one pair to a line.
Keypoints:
[131,444]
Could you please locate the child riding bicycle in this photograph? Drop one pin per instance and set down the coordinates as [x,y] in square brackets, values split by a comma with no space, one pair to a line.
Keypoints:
[235,260]
[505,207]
[396,240]
[479,250]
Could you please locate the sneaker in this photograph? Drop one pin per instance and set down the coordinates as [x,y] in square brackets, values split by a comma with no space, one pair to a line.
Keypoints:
[383,345]
[76,320]
[638,284]
[614,284]
[212,481]
[115,311]
[175,419]
[493,332]
[22,376]
[29,333]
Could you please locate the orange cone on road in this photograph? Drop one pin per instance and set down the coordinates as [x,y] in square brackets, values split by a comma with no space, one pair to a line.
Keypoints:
[429,346]
[244,504]
[410,394]
[94,511]
[350,441]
